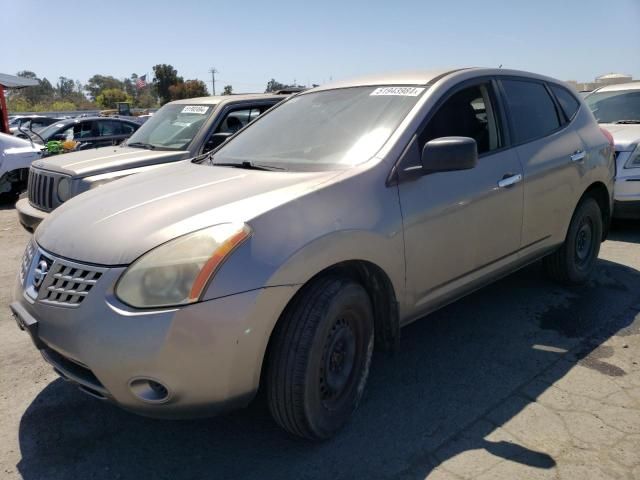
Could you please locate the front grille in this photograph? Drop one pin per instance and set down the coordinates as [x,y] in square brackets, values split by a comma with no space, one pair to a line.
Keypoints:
[67,284]
[27,257]
[57,281]
[41,188]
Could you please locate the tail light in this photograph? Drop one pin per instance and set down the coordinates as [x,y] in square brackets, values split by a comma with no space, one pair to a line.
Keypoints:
[607,134]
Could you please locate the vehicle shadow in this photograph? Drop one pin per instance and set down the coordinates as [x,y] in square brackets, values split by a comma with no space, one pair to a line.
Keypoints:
[425,403]
[625,231]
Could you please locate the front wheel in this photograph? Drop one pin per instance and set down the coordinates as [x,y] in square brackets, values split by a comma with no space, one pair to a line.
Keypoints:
[574,261]
[320,356]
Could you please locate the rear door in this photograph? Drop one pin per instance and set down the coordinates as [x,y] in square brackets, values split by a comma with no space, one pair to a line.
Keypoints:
[461,225]
[552,156]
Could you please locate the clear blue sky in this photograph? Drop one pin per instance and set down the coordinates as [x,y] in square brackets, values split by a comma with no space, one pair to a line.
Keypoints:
[250,42]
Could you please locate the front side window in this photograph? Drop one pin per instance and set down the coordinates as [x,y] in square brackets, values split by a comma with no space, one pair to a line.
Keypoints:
[618,106]
[173,127]
[467,113]
[109,128]
[323,130]
[234,121]
[83,130]
[532,111]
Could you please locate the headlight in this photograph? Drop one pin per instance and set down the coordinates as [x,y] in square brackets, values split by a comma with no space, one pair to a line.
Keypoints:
[64,189]
[177,272]
[634,159]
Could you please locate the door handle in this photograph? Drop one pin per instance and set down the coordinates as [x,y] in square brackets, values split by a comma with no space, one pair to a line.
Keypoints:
[509,180]
[578,155]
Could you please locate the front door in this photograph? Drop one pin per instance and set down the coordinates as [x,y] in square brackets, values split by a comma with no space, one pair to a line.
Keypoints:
[460,225]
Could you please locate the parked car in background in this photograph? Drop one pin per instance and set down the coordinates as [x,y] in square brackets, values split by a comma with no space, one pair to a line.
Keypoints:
[179,130]
[617,108]
[16,156]
[88,132]
[29,122]
[339,216]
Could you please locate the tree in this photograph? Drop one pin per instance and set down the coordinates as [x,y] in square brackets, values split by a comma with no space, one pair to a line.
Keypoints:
[274,86]
[98,83]
[109,97]
[65,87]
[165,77]
[188,89]
[228,90]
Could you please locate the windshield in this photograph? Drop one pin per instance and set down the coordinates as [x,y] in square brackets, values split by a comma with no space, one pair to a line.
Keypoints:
[173,127]
[323,130]
[50,130]
[617,106]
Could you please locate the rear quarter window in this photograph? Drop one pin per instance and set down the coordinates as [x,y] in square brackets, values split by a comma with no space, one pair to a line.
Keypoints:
[567,101]
[531,108]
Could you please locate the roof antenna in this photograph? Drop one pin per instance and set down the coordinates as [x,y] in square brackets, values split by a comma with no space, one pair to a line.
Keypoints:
[500,66]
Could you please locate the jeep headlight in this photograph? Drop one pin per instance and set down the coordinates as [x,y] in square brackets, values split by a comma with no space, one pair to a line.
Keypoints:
[634,159]
[64,189]
[177,272]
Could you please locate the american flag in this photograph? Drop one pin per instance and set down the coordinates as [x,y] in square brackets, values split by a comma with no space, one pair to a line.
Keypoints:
[141,82]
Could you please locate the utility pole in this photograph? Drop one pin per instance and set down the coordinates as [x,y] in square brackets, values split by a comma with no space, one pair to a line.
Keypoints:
[213,72]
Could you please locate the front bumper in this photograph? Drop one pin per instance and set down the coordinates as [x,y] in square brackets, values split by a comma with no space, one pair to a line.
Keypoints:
[29,216]
[208,356]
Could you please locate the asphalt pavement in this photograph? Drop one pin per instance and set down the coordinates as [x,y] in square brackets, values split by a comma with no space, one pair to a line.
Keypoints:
[522,379]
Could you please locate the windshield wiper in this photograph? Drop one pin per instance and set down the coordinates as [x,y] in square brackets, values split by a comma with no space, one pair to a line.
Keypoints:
[628,122]
[248,166]
[148,146]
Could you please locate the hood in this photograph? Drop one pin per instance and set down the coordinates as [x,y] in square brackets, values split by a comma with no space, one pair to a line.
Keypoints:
[107,159]
[9,142]
[116,223]
[625,137]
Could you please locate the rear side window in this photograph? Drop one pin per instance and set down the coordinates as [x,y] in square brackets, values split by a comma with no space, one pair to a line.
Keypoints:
[533,113]
[567,101]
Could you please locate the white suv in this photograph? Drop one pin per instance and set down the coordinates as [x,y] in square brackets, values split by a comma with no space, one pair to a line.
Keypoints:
[617,108]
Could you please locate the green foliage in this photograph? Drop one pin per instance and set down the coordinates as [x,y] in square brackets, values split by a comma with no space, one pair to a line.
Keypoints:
[109,97]
[65,87]
[165,77]
[61,106]
[98,83]
[273,86]
[188,89]
[228,90]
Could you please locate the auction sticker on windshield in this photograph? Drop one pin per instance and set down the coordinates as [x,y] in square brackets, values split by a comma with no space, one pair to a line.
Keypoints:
[400,91]
[199,109]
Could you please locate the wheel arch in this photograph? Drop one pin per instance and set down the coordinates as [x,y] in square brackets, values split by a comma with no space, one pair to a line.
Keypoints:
[600,193]
[380,289]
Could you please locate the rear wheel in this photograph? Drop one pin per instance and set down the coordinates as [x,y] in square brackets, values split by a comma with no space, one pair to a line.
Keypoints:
[320,357]
[574,261]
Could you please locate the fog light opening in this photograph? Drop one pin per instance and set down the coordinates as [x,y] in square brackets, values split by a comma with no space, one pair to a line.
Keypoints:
[149,390]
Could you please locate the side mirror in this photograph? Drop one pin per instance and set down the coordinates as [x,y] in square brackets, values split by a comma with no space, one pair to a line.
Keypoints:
[447,154]
[215,140]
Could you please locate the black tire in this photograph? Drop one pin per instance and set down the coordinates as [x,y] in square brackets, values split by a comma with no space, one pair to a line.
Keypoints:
[319,358]
[574,261]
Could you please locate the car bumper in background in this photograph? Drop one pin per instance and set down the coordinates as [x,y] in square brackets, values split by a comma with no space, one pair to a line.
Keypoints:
[29,216]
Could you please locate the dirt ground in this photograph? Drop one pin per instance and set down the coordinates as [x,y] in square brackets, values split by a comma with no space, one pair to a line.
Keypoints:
[523,379]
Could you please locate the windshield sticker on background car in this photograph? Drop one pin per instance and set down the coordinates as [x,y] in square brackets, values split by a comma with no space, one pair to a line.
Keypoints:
[199,109]
[401,91]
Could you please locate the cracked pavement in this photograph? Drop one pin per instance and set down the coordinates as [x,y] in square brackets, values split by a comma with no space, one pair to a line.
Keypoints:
[522,379]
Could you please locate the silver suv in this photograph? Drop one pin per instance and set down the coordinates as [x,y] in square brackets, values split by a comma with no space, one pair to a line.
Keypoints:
[343,214]
[179,130]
